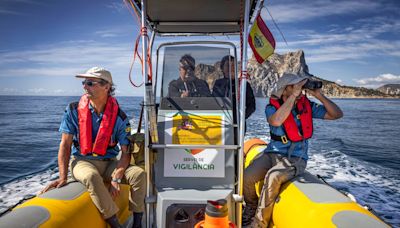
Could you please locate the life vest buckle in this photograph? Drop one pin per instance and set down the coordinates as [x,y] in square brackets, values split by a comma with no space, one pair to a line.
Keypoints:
[284,139]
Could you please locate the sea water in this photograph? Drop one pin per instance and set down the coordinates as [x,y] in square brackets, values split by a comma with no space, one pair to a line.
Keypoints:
[358,154]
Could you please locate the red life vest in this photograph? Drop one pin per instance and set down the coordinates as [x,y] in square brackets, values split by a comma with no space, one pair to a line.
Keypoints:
[103,138]
[304,111]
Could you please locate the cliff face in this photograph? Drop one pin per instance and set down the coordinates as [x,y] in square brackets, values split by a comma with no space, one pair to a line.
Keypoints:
[208,73]
[264,77]
[391,89]
[332,89]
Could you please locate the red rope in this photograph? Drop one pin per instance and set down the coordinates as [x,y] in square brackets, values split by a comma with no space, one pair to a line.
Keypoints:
[135,53]
[143,32]
[244,74]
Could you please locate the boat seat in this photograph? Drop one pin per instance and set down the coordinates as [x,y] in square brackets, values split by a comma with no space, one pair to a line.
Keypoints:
[69,192]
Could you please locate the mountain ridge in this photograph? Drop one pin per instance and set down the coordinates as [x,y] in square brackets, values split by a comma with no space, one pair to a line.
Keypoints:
[392,89]
[263,77]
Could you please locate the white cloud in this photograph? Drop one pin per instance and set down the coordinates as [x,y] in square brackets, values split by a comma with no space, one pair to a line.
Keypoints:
[9,90]
[37,90]
[5,6]
[116,31]
[59,91]
[48,71]
[106,34]
[66,58]
[40,91]
[341,52]
[361,39]
[70,52]
[116,6]
[307,10]
[10,12]
[339,81]
[352,51]
[379,80]
[22,1]
[354,40]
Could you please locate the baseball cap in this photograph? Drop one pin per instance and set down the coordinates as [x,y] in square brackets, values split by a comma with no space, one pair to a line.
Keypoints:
[285,80]
[97,72]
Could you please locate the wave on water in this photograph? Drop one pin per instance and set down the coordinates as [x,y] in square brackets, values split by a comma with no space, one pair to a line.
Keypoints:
[346,153]
[372,185]
[25,187]
[376,187]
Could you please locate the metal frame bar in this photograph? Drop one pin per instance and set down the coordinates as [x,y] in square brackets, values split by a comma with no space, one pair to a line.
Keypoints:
[174,23]
[146,114]
[169,34]
[232,45]
[149,180]
[242,114]
[197,42]
[257,9]
[148,23]
[240,168]
[191,146]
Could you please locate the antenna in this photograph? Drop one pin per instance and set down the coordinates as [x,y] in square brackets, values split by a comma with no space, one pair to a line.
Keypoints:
[276,25]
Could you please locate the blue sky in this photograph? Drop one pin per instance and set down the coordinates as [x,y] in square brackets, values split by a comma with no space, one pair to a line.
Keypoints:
[43,44]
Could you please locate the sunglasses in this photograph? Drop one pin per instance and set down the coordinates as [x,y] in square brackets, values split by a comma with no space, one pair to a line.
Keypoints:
[90,83]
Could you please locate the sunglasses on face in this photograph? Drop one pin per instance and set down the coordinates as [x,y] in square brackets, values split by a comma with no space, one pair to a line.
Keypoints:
[90,83]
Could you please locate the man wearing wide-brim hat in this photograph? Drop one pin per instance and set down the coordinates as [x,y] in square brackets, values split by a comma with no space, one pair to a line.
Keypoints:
[290,117]
[92,129]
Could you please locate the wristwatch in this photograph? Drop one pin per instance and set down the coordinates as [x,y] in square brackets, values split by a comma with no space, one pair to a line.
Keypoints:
[117,180]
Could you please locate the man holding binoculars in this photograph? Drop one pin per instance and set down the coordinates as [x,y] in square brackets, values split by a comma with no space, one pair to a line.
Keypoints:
[290,117]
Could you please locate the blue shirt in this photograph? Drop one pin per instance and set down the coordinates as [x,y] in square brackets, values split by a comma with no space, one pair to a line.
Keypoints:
[300,149]
[70,125]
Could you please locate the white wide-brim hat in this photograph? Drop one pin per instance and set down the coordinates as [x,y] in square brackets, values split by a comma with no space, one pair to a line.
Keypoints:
[285,80]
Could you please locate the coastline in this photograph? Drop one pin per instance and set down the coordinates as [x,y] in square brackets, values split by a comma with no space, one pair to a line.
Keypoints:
[334,97]
[353,97]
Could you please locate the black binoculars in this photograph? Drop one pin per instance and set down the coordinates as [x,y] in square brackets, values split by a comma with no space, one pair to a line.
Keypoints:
[311,85]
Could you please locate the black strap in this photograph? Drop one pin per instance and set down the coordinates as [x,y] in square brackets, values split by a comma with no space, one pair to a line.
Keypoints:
[76,143]
[73,105]
[280,100]
[140,119]
[281,138]
[284,139]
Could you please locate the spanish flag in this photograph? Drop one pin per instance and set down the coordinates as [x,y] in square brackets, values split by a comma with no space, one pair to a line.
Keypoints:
[261,40]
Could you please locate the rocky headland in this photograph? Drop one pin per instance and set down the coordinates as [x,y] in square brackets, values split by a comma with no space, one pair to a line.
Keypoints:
[392,89]
[263,77]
